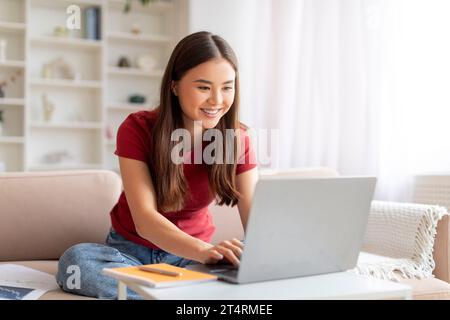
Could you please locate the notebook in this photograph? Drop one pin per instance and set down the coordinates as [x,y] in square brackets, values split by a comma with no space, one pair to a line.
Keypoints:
[156,280]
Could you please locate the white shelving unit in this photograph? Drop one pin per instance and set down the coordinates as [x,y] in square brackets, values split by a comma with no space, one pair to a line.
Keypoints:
[12,102]
[134,72]
[12,64]
[88,110]
[13,30]
[67,43]
[12,27]
[60,83]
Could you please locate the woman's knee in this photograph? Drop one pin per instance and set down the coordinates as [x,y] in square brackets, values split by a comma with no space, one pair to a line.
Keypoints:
[75,254]
[82,260]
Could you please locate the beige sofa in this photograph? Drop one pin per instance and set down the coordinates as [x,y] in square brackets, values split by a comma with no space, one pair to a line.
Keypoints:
[44,213]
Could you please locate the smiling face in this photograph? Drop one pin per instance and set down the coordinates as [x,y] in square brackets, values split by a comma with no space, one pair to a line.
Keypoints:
[206,93]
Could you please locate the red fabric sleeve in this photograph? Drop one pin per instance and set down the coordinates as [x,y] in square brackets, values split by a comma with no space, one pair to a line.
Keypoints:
[133,138]
[247,158]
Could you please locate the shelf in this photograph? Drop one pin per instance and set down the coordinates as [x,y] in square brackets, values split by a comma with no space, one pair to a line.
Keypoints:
[134,72]
[12,64]
[128,107]
[11,140]
[155,7]
[77,43]
[66,3]
[12,27]
[130,37]
[82,84]
[11,102]
[66,125]
[64,166]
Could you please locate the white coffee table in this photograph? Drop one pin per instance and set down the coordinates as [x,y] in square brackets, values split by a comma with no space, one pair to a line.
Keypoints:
[342,285]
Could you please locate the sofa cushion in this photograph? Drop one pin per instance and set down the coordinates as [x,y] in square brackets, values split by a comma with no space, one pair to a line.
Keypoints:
[44,213]
[51,267]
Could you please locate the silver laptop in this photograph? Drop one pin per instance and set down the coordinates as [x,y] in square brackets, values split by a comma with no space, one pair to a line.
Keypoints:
[301,227]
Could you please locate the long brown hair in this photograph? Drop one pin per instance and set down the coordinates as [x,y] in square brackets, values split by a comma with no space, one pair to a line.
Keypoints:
[168,178]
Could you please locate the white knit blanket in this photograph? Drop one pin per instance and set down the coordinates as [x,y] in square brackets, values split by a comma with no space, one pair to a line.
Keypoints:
[399,241]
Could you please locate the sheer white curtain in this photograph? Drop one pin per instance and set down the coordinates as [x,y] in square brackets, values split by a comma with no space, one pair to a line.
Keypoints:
[315,77]
[415,108]
[360,86]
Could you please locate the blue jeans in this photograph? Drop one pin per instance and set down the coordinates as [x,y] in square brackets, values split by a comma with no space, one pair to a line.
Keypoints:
[80,267]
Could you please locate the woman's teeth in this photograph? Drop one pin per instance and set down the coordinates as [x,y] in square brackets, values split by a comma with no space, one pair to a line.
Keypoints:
[211,112]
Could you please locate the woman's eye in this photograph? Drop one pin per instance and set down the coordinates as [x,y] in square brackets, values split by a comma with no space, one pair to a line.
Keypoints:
[228,88]
[203,88]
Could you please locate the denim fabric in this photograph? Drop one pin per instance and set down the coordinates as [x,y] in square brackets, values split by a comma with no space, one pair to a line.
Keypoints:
[91,258]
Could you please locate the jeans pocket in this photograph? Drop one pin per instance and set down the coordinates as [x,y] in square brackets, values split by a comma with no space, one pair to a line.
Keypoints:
[158,256]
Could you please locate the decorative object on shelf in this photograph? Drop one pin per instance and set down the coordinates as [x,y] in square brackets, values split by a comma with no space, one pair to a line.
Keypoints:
[3,44]
[59,69]
[92,23]
[135,28]
[127,7]
[58,157]
[10,79]
[124,62]
[61,31]
[46,72]
[48,108]
[136,98]
[146,62]
[1,123]
[109,132]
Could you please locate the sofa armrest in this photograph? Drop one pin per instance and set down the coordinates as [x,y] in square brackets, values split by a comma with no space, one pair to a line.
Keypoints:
[44,213]
[441,250]
[416,235]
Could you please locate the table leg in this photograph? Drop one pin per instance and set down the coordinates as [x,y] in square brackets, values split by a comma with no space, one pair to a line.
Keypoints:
[121,291]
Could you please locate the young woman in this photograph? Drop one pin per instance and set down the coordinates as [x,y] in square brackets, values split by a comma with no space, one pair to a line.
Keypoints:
[162,216]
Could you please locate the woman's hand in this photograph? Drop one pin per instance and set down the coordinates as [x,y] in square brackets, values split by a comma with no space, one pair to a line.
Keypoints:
[229,250]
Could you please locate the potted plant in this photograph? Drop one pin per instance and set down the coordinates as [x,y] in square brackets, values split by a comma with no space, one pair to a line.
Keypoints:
[127,7]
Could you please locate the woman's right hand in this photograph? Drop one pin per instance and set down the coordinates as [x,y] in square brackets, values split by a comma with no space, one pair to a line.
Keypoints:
[229,250]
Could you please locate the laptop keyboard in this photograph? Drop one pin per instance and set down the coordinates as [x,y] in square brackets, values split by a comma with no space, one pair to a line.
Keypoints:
[229,272]
[221,268]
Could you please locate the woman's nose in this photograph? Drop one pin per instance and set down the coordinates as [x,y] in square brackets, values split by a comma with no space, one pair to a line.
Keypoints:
[216,98]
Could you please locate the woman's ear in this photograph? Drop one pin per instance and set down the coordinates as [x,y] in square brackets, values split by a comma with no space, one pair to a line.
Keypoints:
[173,87]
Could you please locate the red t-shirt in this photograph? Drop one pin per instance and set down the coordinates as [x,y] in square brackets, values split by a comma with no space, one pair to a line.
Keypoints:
[133,141]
